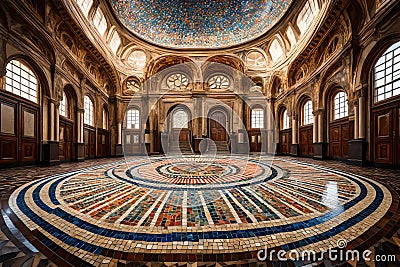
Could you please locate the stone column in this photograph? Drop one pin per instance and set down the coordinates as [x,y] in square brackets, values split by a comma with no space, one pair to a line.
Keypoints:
[358,146]
[294,148]
[315,127]
[320,147]
[362,114]
[79,145]
[51,146]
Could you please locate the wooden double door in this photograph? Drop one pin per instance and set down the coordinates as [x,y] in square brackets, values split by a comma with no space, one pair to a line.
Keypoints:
[19,133]
[217,124]
[306,141]
[386,137]
[340,132]
[285,140]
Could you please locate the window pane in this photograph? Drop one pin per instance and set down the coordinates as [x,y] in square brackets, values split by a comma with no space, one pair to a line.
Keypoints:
[341,109]
[257,118]
[387,74]
[132,119]
[88,105]
[308,117]
[21,81]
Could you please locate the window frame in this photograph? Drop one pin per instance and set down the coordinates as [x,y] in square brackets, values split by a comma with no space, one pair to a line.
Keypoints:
[19,75]
[307,113]
[88,115]
[339,109]
[221,86]
[133,118]
[285,119]
[64,108]
[257,119]
[390,75]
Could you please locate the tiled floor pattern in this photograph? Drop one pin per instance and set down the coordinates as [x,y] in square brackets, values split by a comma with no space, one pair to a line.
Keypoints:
[292,205]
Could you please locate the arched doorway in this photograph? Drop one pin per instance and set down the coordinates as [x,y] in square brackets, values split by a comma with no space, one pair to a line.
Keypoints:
[180,125]
[217,125]
[179,128]
[67,126]
[20,114]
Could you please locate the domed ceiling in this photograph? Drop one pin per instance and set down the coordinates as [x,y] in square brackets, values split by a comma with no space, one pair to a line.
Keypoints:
[199,23]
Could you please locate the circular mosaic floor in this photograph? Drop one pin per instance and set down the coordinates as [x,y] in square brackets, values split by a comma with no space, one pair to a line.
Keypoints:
[198,206]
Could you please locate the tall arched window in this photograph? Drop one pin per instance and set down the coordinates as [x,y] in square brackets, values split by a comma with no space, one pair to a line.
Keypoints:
[132,119]
[257,118]
[275,50]
[115,42]
[387,74]
[88,105]
[100,22]
[85,6]
[307,15]
[285,120]
[64,106]
[308,117]
[180,119]
[21,80]
[105,119]
[340,106]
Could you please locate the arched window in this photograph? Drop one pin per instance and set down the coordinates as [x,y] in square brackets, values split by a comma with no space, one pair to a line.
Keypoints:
[340,105]
[275,50]
[308,117]
[21,80]
[100,22]
[180,119]
[178,81]
[291,37]
[115,42]
[219,82]
[307,15]
[88,105]
[257,118]
[387,74]
[132,119]
[64,106]
[105,119]
[137,59]
[85,6]
[285,120]
[256,60]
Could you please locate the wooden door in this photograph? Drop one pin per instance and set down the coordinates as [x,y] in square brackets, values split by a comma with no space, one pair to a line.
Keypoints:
[103,143]
[339,136]
[255,140]
[217,129]
[306,141]
[285,141]
[66,133]
[385,136]
[90,142]
[132,141]
[19,134]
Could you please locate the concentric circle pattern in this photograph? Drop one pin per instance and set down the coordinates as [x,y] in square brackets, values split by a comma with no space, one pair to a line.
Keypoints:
[199,206]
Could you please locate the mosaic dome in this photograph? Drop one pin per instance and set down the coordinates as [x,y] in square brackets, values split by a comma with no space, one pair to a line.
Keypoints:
[199,24]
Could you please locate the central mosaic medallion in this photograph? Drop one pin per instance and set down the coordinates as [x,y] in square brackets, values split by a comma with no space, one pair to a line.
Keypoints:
[161,208]
[196,172]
